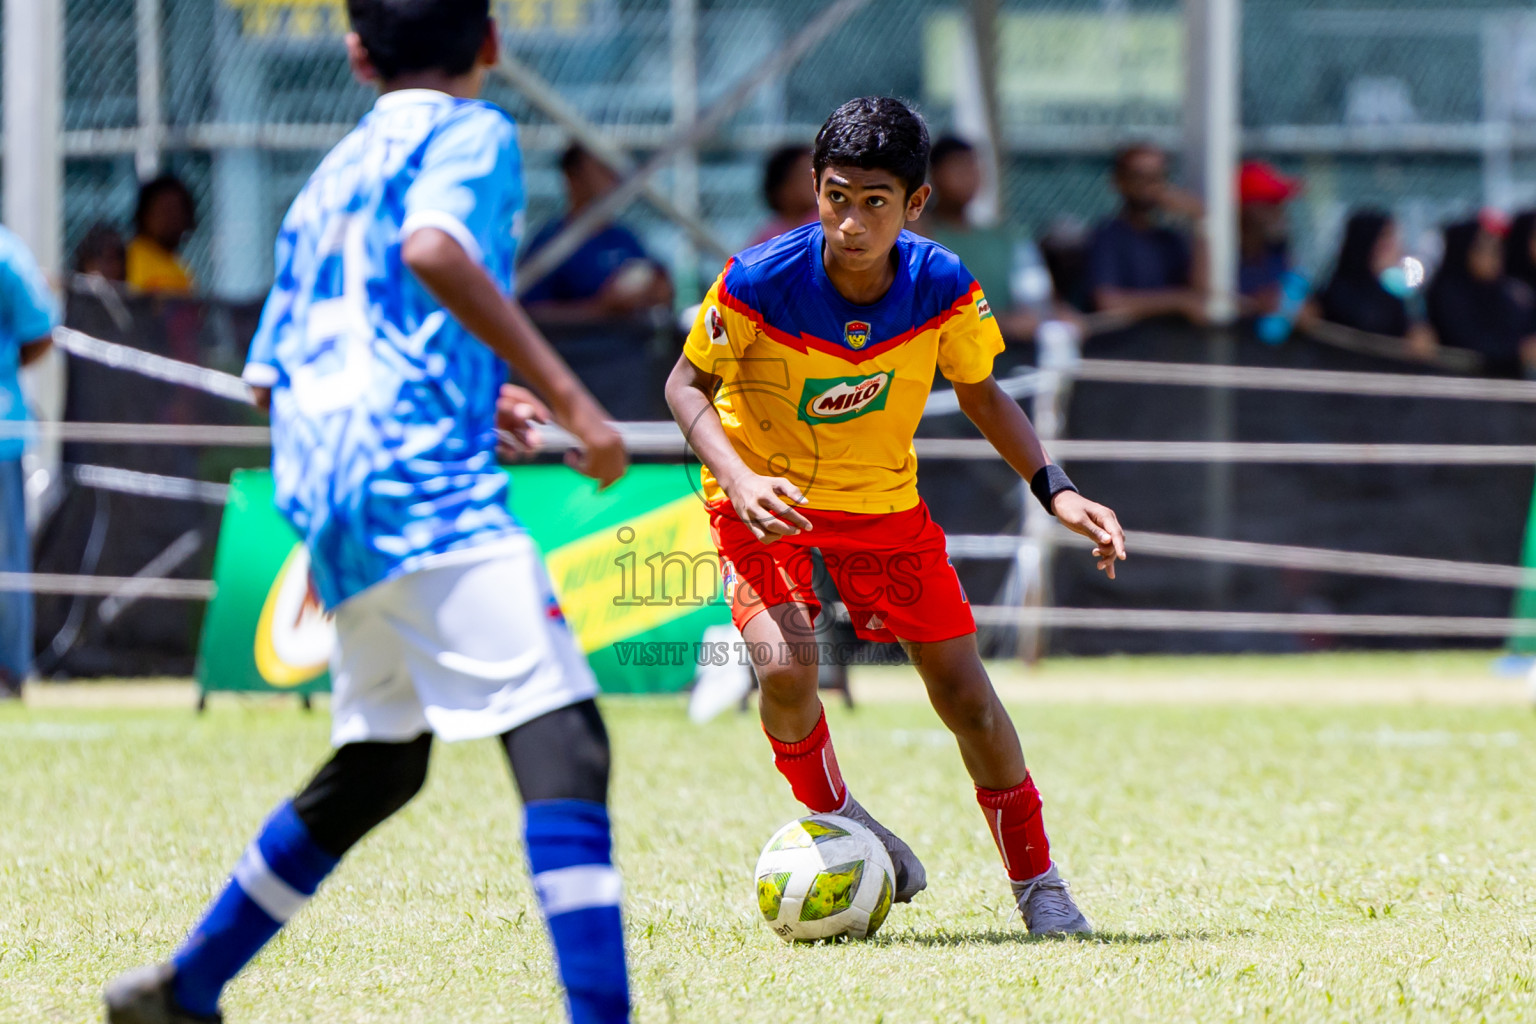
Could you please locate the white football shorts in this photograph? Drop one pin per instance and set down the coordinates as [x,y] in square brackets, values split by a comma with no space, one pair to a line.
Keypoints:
[469,646]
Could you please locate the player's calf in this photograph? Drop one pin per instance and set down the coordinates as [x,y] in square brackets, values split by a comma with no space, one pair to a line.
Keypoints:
[298,846]
[561,763]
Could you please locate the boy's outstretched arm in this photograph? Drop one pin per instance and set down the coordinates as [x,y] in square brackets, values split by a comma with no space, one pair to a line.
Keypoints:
[468,293]
[1003,423]
[759,501]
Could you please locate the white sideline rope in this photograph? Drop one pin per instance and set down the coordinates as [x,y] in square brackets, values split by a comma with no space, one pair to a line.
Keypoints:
[206,435]
[1255,622]
[148,364]
[1251,452]
[107,586]
[1280,556]
[666,438]
[150,485]
[1336,382]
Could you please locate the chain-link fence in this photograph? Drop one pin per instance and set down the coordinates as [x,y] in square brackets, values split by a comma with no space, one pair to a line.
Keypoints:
[1427,108]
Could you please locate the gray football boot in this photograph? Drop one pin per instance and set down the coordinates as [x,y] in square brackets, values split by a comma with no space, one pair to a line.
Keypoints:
[911,878]
[143,996]
[1047,905]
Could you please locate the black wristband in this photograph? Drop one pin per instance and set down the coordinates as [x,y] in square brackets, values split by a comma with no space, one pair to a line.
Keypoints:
[1049,482]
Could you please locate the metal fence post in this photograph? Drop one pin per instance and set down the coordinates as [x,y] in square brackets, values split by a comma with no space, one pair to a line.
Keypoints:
[1059,352]
[34,100]
[151,112]
[685,110]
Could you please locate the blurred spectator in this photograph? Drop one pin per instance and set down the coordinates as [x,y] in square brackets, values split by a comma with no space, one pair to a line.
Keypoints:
[1264,238]
[1520,252]
[1138,265]
[1010,270]
[165,214]
[27,319]
[1064,247]
[1358,295]
[789,189]
[102,253]
[1472,305]
[610,275]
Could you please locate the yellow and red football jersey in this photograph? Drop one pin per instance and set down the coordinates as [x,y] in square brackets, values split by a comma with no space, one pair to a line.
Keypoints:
[828,393]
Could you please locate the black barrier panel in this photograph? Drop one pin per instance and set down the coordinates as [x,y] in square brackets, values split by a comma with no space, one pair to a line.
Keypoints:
[101,531]
[1461,513]
[1475,514]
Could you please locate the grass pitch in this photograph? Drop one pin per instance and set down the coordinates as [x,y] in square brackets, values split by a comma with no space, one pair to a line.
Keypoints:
[1246,857]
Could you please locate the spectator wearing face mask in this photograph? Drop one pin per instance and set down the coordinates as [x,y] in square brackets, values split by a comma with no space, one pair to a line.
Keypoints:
[1357,295]
[1473,305]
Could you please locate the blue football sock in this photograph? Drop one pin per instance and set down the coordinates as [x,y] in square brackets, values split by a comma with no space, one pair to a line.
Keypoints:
[569,851]
[279,872]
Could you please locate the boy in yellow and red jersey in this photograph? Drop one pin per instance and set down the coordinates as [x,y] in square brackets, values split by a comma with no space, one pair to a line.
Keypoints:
[801,388]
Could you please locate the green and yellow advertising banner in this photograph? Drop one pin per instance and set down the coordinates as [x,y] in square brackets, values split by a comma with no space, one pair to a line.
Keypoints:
[1525,599]
[634,568]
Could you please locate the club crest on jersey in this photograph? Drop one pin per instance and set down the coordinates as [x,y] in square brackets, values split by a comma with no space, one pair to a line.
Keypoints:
[714,323]
[838,399]
[856,334]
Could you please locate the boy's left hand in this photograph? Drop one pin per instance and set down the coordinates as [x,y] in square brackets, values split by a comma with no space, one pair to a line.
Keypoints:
[1097,523]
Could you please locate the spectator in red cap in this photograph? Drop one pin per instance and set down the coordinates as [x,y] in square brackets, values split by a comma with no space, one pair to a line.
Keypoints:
[1264,250]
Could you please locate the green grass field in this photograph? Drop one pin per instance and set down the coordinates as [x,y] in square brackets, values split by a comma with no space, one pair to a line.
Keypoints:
[1248,854]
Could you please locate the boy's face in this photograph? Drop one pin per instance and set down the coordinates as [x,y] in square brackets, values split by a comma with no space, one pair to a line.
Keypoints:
[862,213]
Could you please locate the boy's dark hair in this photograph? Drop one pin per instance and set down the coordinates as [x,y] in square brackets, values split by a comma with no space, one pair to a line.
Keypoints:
[946,147]
[402,36]
[875,133]
[152,190]
[780,162]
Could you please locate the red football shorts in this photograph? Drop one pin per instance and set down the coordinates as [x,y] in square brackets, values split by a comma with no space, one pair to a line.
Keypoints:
[892,571]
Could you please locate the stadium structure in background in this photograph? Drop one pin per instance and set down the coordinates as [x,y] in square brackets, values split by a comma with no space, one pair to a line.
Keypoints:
[1428,108]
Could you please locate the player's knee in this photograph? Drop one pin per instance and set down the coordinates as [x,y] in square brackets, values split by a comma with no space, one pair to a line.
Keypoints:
[969,711]
[360,786]
[786,683]
[563,755]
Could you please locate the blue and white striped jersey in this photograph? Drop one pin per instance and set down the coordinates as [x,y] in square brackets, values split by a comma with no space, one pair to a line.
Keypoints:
[383,406]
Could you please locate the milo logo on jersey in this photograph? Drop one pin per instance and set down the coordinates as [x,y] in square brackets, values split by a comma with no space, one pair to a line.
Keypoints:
[839,399]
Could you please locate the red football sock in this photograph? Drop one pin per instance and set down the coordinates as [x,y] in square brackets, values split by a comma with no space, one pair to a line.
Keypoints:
[1018,828]
[811,768]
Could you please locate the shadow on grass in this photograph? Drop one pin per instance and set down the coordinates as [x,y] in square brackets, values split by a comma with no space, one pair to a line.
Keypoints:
[1011,937]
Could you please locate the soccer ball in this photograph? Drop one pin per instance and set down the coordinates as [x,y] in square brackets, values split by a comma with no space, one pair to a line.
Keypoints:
[823,877]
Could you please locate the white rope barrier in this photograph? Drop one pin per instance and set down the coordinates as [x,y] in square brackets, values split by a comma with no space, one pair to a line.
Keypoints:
[148,364]
[666,438]
[107,586]
[1336,382]
[1254,622]
[183,435]
[1280,556]
[1251,452]
[150,485]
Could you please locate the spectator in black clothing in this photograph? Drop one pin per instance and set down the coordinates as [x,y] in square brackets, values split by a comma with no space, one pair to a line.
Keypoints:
[1520,252]
[1355,296]
[1138,265]
[1472,305]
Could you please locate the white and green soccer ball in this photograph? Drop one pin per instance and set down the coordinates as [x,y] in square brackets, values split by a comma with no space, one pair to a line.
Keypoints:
[823,877]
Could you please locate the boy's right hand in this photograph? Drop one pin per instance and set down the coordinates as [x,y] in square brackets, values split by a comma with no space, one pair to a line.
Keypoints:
[602,456]
[760,502]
